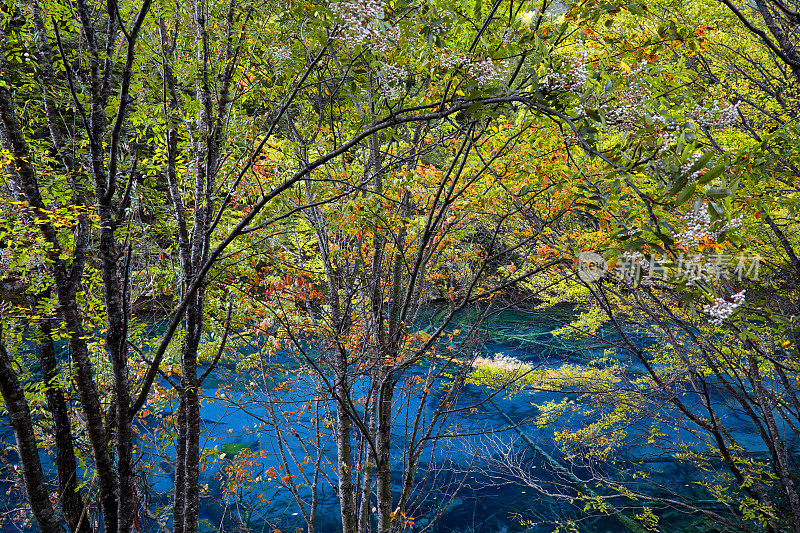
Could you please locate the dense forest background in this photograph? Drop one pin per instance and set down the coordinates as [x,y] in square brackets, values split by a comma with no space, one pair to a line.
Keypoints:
[334,199]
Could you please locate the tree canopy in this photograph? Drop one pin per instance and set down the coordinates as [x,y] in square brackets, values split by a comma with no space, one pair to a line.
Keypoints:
[333,200]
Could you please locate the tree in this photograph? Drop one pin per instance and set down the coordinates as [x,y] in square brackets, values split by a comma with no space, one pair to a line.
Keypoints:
[390,231]
[677,178]
[95,187]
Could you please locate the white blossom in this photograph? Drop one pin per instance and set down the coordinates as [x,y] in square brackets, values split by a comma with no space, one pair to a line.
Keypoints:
[356,13]
[486,71]
[735,222]
[575,77]
[629,108]
[687,166]
[384,39]
[361,21]
[627,105]
[281,53]
[698,227]
[667,139]
[391,79]
[452,61]
[714,116]
[483,71]
[722,309]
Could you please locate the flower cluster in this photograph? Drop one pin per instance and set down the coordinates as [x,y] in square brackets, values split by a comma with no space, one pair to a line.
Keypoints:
[687,166]
[483,71]
[384,40]
[667,139]
[629,108]
[735,222]
[722,309]
[281,53]
[714,116]
[358,12]
[698,227]
[452,61]
[487,72]
[576,77]
[359,18]
[391,80]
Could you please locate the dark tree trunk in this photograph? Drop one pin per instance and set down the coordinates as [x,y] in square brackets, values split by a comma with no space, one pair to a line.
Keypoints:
[179,490]
[384,459]
[20,416]
[344,466]
[67,466]
[66,283]
[191,405]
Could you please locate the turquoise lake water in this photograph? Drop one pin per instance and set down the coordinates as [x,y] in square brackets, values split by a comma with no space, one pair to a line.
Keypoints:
[464,489]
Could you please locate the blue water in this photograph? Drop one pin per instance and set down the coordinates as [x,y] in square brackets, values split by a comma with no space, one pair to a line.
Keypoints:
[459,490]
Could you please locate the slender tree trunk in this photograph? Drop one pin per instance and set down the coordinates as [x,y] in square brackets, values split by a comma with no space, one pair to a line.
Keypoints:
[116,345]
[780,458]
[179,486]
[364,513]
[344,466]
[20,416]
[66,283]
[90,402]
[66,464]
[383,444]
[191,449]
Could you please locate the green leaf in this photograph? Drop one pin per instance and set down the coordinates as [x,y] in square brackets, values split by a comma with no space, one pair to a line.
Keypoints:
[711,174]
[635,8]
[679,184]
[321,38]
[716,211]
[702,162]
[718,192]
[685,195]
[635,244]
[474,108]
[230,449]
